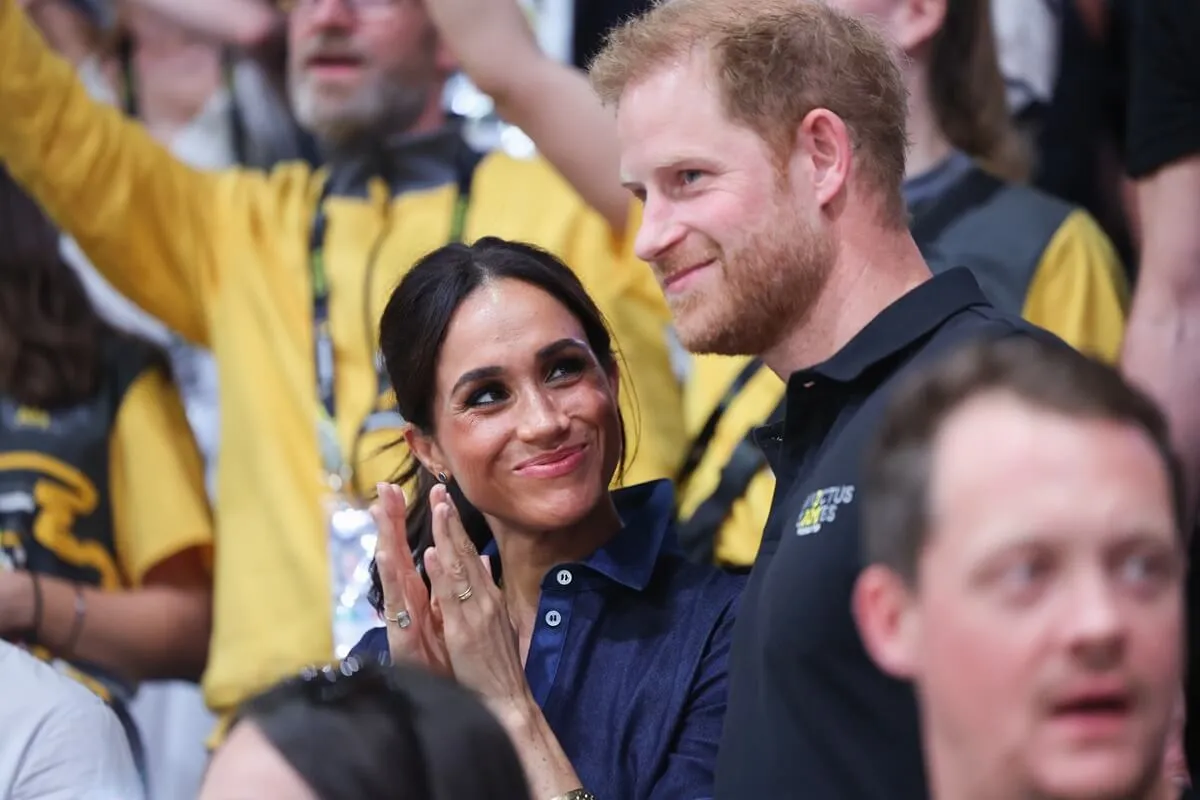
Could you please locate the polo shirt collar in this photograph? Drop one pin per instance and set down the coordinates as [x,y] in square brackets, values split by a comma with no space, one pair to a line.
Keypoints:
[898,327]
[628,559]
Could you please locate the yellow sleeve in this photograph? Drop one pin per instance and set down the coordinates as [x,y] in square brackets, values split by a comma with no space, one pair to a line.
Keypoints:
[157,479]
[1079,291]
[626,291]
[143,218]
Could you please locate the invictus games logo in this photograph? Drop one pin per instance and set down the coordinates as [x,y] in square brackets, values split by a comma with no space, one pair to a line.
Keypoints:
[821,507]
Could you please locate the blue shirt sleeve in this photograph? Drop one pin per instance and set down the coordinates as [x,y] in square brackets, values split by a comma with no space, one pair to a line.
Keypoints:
[692,761]
[372,647]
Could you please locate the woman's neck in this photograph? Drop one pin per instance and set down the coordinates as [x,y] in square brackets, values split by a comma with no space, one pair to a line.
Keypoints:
[527,556]
[928,146]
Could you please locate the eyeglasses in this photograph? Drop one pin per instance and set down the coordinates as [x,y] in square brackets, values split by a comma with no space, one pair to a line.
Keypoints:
[288,6]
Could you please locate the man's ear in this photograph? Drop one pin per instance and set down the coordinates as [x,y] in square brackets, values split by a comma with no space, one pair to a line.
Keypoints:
[888,619]
[426,450]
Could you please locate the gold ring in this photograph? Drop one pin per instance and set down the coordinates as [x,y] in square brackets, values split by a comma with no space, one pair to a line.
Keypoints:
[466,594]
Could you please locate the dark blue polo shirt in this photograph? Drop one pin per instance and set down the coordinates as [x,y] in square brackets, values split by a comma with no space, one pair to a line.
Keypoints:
[810,715]
[629,658]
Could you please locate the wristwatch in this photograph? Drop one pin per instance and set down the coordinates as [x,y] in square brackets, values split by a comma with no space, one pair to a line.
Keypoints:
[576,794]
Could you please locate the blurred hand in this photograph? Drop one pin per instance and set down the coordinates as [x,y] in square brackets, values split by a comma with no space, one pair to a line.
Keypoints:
[478,633]
[421,641]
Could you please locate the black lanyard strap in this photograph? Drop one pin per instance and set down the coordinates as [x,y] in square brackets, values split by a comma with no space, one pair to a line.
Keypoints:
[323,352]
[700,444]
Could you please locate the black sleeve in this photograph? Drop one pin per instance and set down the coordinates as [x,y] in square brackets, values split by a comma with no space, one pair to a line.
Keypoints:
[1164,103]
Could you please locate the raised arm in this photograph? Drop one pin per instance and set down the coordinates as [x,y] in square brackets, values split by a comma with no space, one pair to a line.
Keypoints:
[1162,344]
[549,101]
[145,219]
[245,23]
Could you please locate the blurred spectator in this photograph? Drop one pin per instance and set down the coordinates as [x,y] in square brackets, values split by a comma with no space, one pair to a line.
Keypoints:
[1064,64]
[1045,645]
[105,534]
[283,275]
[1162,352]
[1032,254]
[366,731]
[59,741]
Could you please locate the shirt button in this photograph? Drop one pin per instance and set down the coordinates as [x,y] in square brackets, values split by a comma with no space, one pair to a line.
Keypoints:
[564,577]
[553,619]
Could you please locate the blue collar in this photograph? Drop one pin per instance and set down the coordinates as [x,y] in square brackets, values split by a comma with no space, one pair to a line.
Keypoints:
[629,558]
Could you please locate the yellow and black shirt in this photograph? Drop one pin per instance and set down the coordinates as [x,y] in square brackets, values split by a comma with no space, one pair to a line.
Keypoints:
[101,492]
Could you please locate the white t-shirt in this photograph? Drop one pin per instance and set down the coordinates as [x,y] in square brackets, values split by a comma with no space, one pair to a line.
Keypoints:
[58,741]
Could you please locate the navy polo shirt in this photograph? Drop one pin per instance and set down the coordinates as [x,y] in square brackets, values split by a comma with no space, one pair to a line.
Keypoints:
[629,657]
[810,715]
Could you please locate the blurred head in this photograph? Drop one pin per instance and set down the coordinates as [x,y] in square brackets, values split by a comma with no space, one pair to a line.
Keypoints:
[366,731]
[50,335]
[506,373]
[361,69]
[951,47]
[745,129]
[1022,530]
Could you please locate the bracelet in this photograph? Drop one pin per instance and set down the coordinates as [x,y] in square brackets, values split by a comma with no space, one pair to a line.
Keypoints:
[576,794]
[36,625]
[77,622]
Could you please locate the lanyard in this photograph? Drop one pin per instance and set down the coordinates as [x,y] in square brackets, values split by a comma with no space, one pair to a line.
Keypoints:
[322,336]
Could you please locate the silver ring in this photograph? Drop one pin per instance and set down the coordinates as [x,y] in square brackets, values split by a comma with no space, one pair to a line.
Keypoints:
[402,619]
[466,595]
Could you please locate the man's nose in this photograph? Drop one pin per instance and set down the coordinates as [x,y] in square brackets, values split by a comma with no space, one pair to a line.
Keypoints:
[658,230]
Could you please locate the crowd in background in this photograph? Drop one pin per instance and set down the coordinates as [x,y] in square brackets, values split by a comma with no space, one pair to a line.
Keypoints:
[209,380]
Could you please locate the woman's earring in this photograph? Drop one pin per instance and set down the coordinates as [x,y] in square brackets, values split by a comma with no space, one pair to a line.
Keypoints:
[441,476]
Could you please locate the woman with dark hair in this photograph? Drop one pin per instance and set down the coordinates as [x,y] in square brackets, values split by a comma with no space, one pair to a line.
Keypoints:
[365,731]
[601,650]
[105,531]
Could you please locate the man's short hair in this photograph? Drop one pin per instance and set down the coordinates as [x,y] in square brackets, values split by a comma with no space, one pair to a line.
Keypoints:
[1041,373]
[775,61]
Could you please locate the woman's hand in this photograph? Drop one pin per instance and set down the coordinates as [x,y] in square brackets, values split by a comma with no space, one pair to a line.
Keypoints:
[414,629]
[479,636]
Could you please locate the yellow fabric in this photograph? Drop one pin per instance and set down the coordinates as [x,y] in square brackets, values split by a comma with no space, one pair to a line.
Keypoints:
[222,258]
[156,478]
[1079,291]
[710,378]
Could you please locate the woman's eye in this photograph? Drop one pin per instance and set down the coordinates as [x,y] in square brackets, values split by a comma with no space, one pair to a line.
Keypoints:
[567,368]
[690,176]
[486,396]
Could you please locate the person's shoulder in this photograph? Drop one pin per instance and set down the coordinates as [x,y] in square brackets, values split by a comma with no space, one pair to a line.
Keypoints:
[372,648]
[706,586]
[981,322]
[37,691]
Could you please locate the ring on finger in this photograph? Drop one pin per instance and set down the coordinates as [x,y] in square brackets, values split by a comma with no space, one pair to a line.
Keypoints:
[465,595]
[402,619]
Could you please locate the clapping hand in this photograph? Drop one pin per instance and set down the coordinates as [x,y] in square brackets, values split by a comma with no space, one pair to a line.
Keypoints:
[477,631]
[414,626]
